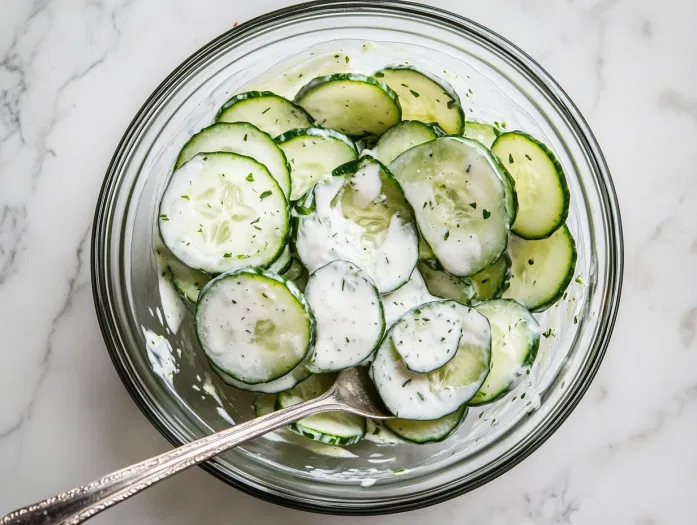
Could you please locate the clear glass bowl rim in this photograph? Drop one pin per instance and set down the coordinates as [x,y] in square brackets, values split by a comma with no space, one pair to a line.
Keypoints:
[109,322]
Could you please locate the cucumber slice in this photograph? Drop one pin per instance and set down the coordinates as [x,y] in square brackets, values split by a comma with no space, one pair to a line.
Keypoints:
[428,336]
[515,336]
[541,270]
[222,211]
[481,131]
[491,283]
[406,297]
[253,325]
[351,103]
[264,404]
[295,270]
[543,195]
[445,285]
[187,281]
[359,215]
[269,112]
[411,395]
[349,316]
[334,428]
[425,97]
[244,139]
[401,137]
[292,378]
[425,252]
[313,153]
[422,432]
[459,201]
[283,263]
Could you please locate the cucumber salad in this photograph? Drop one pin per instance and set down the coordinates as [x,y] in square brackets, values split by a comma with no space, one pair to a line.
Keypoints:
[367,223]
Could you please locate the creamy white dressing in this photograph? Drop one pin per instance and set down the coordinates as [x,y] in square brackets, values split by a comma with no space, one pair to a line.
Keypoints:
[348,312]
[328,235]
[172,304]
[427,337]
[406,297]
[160,355]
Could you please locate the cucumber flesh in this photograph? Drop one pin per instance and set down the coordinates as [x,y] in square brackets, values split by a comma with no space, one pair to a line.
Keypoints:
[541,270]
[459,201]
[401,137]
[412,395]
[540,183]
[244,139]
[292,378]
[491,283]
[445,285]
[253,325]
[351,103]
[313,153]
[267,111]
[426,98]
[481,131]
[428,336]
[349,315]
[515,336]
[264,404]
[359,215]
[283,263]
[187,281]
[334,428]
[222,211]
[422,432]
[406,297]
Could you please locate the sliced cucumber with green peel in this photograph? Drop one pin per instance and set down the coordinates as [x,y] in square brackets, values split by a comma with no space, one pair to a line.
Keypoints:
[491,283]
[401,137]
[266,110]
[425,97]
[481,131]
[543,195]
[428,336]
[283,263]
[422,432]
[292,378]
[411,395]
[459,201]
[294,271]
[354,104]
[445,285]
[541,270]
[313,153]
[348,311]
[254,325]
[359,215]
[244,139]
[515,336]
[187,281]
[334,428]
[222,211]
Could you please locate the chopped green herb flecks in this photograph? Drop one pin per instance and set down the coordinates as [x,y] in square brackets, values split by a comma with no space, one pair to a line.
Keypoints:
[486,214]
[249,178]
[227,255]
[164,217]
[549,333]
[473,205]
[406,383]
[185,197]
[528,157]
[414,93]
[265,194]
[510,158]
[579,280]
[447,234]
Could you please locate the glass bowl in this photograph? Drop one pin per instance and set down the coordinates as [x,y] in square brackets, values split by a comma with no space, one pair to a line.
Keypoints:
[149,335]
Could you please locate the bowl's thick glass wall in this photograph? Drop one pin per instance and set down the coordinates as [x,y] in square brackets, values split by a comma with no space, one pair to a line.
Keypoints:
[506,85]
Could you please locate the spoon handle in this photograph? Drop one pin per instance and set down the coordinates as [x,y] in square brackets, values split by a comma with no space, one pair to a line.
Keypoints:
[81,503]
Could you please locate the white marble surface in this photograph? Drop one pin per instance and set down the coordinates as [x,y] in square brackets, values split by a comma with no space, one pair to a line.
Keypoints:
[72,75]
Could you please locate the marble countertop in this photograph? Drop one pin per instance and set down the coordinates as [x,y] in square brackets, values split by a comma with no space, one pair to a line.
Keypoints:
[72,75]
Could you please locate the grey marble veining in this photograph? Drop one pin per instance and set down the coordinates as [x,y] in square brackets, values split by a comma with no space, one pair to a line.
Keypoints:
[72,75]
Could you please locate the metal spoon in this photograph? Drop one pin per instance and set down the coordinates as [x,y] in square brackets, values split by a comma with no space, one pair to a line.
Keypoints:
[353,391]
